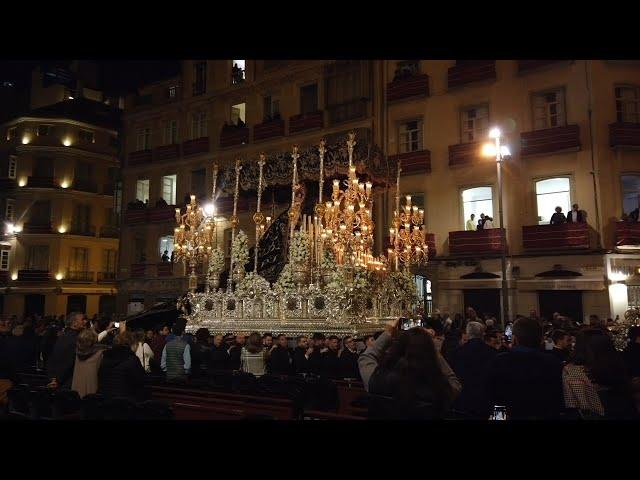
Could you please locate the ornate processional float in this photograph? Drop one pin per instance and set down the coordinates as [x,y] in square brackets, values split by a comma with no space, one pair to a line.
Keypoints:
[331,282]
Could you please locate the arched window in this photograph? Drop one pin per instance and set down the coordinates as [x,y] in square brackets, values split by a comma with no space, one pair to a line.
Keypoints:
[552,193]
[166,243]
[630,193]
[476,201]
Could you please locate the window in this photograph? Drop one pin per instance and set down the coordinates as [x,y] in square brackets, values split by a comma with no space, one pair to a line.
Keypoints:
[410,136]
[238,114]
[109,260]
[40,213]
[199,125]
[171,132]
[172,91]
[630,193]
[347,89]
[9,210]
[477,200]
[117,197]
[548,109]
[83,174]
[81,218]
[199,183]
[44,130]
[628,104]
[38,257]
[309,99]
[78,260]
[200,76]
[144,139]
[237,72]
[113,141]
[166,243]
[43,168]
[86,136]
[142,190]
[406,68]
[169,189]
[271,108]
[552,193]
[475,124]
[12,166]
[11,133]
[4,260]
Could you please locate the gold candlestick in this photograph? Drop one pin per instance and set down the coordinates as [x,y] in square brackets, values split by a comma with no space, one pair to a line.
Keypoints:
[258,217]
[234,220]
[293,210]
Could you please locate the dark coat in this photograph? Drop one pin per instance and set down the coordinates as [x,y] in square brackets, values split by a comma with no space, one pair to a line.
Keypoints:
[471,363]
[349,364]
[560,354]
[330,364]
[314,363]
[580,217]
[63,359]
[300,362]
[121,374]
[22,352]
[234,357]
[200,359]
[631,357]
[528,382]
[280,361]
[557,218]
[219,359]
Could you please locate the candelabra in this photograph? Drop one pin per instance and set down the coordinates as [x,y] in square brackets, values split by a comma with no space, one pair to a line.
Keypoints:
[408,236]
[194,238]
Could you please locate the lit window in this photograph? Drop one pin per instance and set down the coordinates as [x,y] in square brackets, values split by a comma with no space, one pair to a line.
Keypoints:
[12,166]
[549,110]
[144,139]
[44,130]
[238,114]
[628,104]
[199,125]
[109,261]
[142,190]
[237,72]
[410,136]
[11,133]
[166,243]
[477,201]
[86,136]
[9,210]
[169,189]
[552,193]
[171,132]
[173,91]
[630,193]
[475,124]
[4,260]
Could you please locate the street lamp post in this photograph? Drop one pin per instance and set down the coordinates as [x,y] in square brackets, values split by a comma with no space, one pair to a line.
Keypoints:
[501,151]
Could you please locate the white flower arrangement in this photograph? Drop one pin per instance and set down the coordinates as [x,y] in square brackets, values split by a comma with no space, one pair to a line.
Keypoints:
[240,250]
[253,285]
[300,248]
[216,261]
[285,283]
[400,286]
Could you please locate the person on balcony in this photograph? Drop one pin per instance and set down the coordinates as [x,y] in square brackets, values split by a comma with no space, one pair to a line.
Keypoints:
[558,218]
[471,224]
[488,222]
[480,222]
[576,215]
[634,215]
[165,256]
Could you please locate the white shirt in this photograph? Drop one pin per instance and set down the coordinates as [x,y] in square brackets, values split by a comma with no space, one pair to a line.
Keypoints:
[145,354]
[574,216]
[488,224]
[471,225]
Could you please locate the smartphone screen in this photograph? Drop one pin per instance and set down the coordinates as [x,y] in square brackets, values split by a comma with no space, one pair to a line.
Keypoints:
[499,413]
[405,323]
[116,324]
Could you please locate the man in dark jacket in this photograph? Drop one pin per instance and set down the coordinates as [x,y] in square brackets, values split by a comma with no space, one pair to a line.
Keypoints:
[330,361]
[176,356]
[526,380]
[631,353]
[314,360]
[300,355]
[470,362]
[219,359]
[561,345]
[280,358]
[349,359]
[236,350]
[121,375]
[63,359]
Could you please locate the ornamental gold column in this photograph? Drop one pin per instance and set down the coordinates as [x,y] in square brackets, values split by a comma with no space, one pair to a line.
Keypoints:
[234,223]
[258,217]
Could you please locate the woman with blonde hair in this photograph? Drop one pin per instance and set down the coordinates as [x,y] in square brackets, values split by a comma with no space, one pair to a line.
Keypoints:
[253,358]
[88,359]
[143,351]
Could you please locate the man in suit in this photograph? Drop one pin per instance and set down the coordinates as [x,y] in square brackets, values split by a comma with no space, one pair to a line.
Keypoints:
[575,215]
[63,358]
[349,359]
[561,344]
[558,218]
[280,358]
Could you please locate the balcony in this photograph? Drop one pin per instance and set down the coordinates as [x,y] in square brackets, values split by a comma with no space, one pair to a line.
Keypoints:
[550,140]
[346,112]
[168,152]
[106,277]
[628,235]
[37,228]
[195,146]
[408,87]
[85,186]
[109,231]
[138,270]
[465,154]
[78,276]
[268,129]
[139,157]
[624,135]
[232,135]
[525,66]
[165,269]
[42,182]
[414,162]
[83,230]
[476,242]
[162,214]
[306,121]
[470,71]
[566,236]
[135,216]
[34,275]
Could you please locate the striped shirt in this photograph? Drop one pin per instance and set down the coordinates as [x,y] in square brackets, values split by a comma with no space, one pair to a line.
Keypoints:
[252,362]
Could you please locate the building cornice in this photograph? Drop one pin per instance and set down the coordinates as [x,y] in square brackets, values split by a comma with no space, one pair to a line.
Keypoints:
[67,121]
[71,151]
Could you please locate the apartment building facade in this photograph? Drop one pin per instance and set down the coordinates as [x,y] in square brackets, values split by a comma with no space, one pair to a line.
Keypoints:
[572,127]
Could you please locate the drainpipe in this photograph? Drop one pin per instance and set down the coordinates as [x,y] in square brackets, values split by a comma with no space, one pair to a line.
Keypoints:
[594,163]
